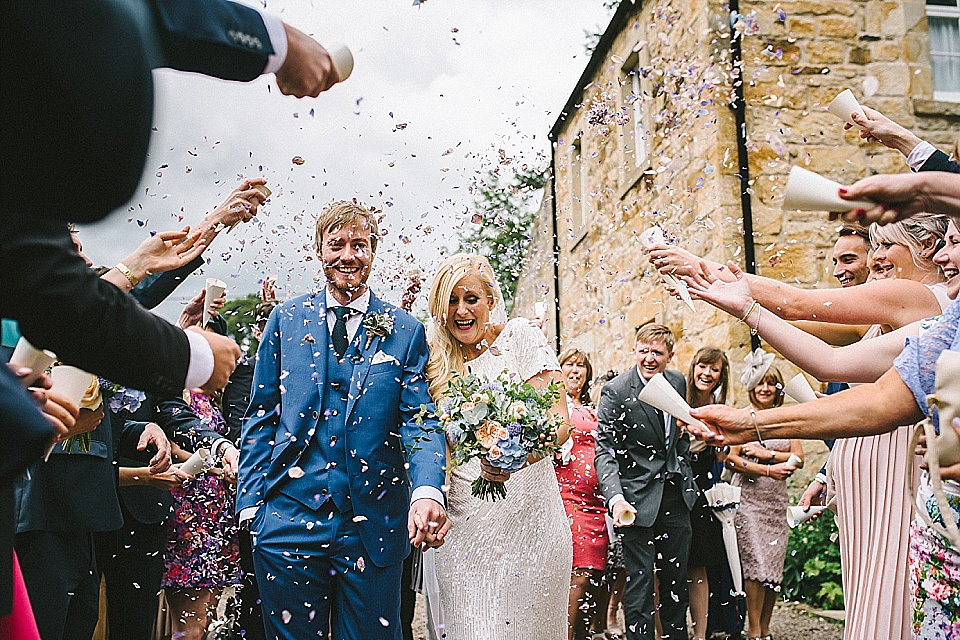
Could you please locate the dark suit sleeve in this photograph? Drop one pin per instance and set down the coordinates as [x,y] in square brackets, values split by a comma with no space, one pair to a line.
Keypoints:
[63,306]
[236,398]
[183,426]
[155,288]
[23,429]
[214,37]
[610,418]
[939,161]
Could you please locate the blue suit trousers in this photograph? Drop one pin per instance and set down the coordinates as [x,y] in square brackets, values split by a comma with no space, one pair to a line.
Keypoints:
[315,579]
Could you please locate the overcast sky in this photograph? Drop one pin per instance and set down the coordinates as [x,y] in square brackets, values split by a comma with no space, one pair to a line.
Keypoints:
[437,92]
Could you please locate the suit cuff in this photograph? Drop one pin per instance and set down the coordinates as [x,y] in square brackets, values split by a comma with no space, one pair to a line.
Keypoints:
[248,513]
[920,154]
[614,500]
[278,39]
[216,451]
[427,491]
[201,361]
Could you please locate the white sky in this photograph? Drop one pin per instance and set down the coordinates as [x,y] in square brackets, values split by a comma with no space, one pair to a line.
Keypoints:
[474,77]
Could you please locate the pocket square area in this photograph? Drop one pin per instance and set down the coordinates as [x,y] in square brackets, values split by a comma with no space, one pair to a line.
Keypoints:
[380,357]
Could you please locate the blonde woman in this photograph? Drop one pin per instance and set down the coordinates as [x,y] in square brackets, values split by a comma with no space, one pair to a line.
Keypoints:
[504,571]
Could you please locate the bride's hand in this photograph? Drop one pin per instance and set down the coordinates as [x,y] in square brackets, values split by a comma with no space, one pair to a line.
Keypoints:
[492,473]
[732,297]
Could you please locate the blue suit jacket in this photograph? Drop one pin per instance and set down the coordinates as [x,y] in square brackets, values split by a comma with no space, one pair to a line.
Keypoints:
[286,406]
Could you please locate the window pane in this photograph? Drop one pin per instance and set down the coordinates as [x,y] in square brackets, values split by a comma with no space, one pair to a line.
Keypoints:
[943,3]
[945,53]
[639,133]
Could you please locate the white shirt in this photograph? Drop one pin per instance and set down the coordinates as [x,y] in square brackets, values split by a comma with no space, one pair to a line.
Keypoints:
[361,303]
[920,154]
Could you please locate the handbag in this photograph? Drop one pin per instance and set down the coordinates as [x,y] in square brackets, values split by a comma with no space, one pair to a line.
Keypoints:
[943,449]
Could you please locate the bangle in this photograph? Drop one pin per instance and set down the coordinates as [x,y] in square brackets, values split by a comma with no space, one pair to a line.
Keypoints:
[768,470]
[125,270]
[756,426]
[753,303]
[755,330]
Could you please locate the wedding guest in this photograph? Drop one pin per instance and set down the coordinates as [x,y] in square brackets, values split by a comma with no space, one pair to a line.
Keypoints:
[707,382]
[920,155]
[643,468]
[202,554]
[581,495]
[761,473]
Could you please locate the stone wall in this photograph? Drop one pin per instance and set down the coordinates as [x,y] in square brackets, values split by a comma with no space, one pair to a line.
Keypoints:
[794,63]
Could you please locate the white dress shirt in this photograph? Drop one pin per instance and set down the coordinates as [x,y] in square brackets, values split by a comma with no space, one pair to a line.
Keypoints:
[360,304]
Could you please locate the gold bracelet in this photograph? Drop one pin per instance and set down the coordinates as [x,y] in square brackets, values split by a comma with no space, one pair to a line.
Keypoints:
[753,303]
[125,270]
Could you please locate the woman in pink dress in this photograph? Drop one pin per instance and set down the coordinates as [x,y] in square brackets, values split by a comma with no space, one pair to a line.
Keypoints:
[581,495]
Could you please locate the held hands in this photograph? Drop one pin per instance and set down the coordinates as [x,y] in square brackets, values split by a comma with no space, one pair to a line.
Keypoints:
[427,523]
[308,69]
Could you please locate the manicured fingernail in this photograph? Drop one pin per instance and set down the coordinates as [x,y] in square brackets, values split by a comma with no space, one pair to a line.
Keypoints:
[843,190]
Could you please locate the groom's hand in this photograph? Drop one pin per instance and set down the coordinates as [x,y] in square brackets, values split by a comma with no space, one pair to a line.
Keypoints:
[427,523]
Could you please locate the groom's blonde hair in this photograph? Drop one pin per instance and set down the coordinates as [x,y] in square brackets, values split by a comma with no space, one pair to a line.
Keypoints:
[340,214]
[446,354]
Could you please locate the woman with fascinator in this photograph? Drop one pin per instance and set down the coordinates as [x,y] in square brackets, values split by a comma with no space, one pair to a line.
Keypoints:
[761,470]
[504,571]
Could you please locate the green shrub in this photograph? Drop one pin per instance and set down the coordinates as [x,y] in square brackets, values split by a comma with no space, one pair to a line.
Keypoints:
[811,573]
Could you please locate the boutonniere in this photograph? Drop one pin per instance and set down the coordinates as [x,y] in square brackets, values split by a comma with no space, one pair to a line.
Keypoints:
[377,325]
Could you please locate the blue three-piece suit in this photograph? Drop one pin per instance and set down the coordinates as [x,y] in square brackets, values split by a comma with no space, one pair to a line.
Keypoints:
[324,450]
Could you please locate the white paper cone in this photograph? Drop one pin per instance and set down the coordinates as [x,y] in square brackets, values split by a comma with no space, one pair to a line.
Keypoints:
[733,555]
[799,389]
[652,236]
[796,515]
[71,382]
[195,464]
[37,360]
[808,191]
[262,188]
[214,290]
[627,518]
[659,393]
[845,104]
[794,461]
[539,309]
[342,60]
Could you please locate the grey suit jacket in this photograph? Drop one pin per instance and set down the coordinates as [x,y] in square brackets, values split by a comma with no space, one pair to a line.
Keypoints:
[633,457]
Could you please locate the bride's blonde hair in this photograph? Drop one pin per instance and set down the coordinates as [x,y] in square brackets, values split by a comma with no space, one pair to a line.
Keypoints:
[446,354]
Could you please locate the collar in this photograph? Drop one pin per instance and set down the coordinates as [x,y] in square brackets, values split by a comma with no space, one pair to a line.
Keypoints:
[360,303]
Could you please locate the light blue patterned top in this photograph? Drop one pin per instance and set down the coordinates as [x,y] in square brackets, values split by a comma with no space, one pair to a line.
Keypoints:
[916,364]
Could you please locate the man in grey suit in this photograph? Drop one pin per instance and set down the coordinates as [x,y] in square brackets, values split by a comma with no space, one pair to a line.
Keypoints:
[644,471]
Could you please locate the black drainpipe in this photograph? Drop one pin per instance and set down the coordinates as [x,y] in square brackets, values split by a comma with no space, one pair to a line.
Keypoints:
[556,243]
[739,115]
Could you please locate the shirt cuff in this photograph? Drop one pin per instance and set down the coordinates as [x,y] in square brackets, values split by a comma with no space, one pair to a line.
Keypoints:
[201,361]
[215,448]
[614,500]
[427,491]
[278,39]
[821,477]
[248,513]
[920,154]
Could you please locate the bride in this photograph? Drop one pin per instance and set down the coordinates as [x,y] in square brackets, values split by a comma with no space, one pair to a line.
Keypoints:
[504,570]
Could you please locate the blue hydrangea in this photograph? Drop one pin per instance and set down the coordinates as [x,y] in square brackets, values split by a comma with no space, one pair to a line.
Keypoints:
[512,455]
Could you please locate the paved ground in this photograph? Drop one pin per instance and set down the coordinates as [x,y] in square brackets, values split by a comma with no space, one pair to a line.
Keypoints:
[788,623]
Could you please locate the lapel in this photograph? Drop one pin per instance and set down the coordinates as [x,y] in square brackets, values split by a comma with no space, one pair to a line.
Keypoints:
[652,419]
[366,349]
[322,341]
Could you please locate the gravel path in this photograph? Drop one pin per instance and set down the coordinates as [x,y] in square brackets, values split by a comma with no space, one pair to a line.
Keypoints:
[788,623]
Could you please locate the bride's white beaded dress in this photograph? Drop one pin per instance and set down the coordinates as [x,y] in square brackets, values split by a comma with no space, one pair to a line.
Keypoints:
[504,570]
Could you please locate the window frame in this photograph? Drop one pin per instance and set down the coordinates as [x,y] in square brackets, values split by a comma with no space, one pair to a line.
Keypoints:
[943,11]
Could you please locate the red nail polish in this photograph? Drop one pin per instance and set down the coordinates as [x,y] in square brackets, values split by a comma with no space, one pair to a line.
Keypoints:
[843,190]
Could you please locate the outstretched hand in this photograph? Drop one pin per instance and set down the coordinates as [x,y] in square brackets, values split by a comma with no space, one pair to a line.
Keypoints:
[732,297]
[725,425]
[877,127]
[164,252]
[672,260]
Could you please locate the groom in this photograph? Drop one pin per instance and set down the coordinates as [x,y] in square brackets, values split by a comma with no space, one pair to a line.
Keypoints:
[339,379]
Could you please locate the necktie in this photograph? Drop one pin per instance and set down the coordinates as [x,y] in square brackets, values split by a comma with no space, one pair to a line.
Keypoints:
[340,330]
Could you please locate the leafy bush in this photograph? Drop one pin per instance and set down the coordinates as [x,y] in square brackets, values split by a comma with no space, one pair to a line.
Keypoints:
[811,573]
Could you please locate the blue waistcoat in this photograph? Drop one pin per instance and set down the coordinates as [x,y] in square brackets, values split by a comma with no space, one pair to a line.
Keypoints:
[324,461]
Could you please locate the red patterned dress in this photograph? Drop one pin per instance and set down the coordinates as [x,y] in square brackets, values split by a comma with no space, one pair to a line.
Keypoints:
[580,490]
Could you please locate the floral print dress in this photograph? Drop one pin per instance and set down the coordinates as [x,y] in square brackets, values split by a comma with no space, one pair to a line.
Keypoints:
[202,549]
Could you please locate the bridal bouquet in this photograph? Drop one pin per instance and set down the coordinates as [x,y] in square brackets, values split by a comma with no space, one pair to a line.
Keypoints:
[503,420]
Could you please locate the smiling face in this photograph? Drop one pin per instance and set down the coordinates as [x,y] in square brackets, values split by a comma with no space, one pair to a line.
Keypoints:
[468,310]
[652,357]
[706,375]
[948,259]
[850,261]
[766,393]
[892,260]
[346,253]
[574,372]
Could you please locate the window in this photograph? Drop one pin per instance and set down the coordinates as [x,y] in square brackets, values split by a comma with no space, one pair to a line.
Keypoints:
[943,22]
[578,190]
[632,82]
